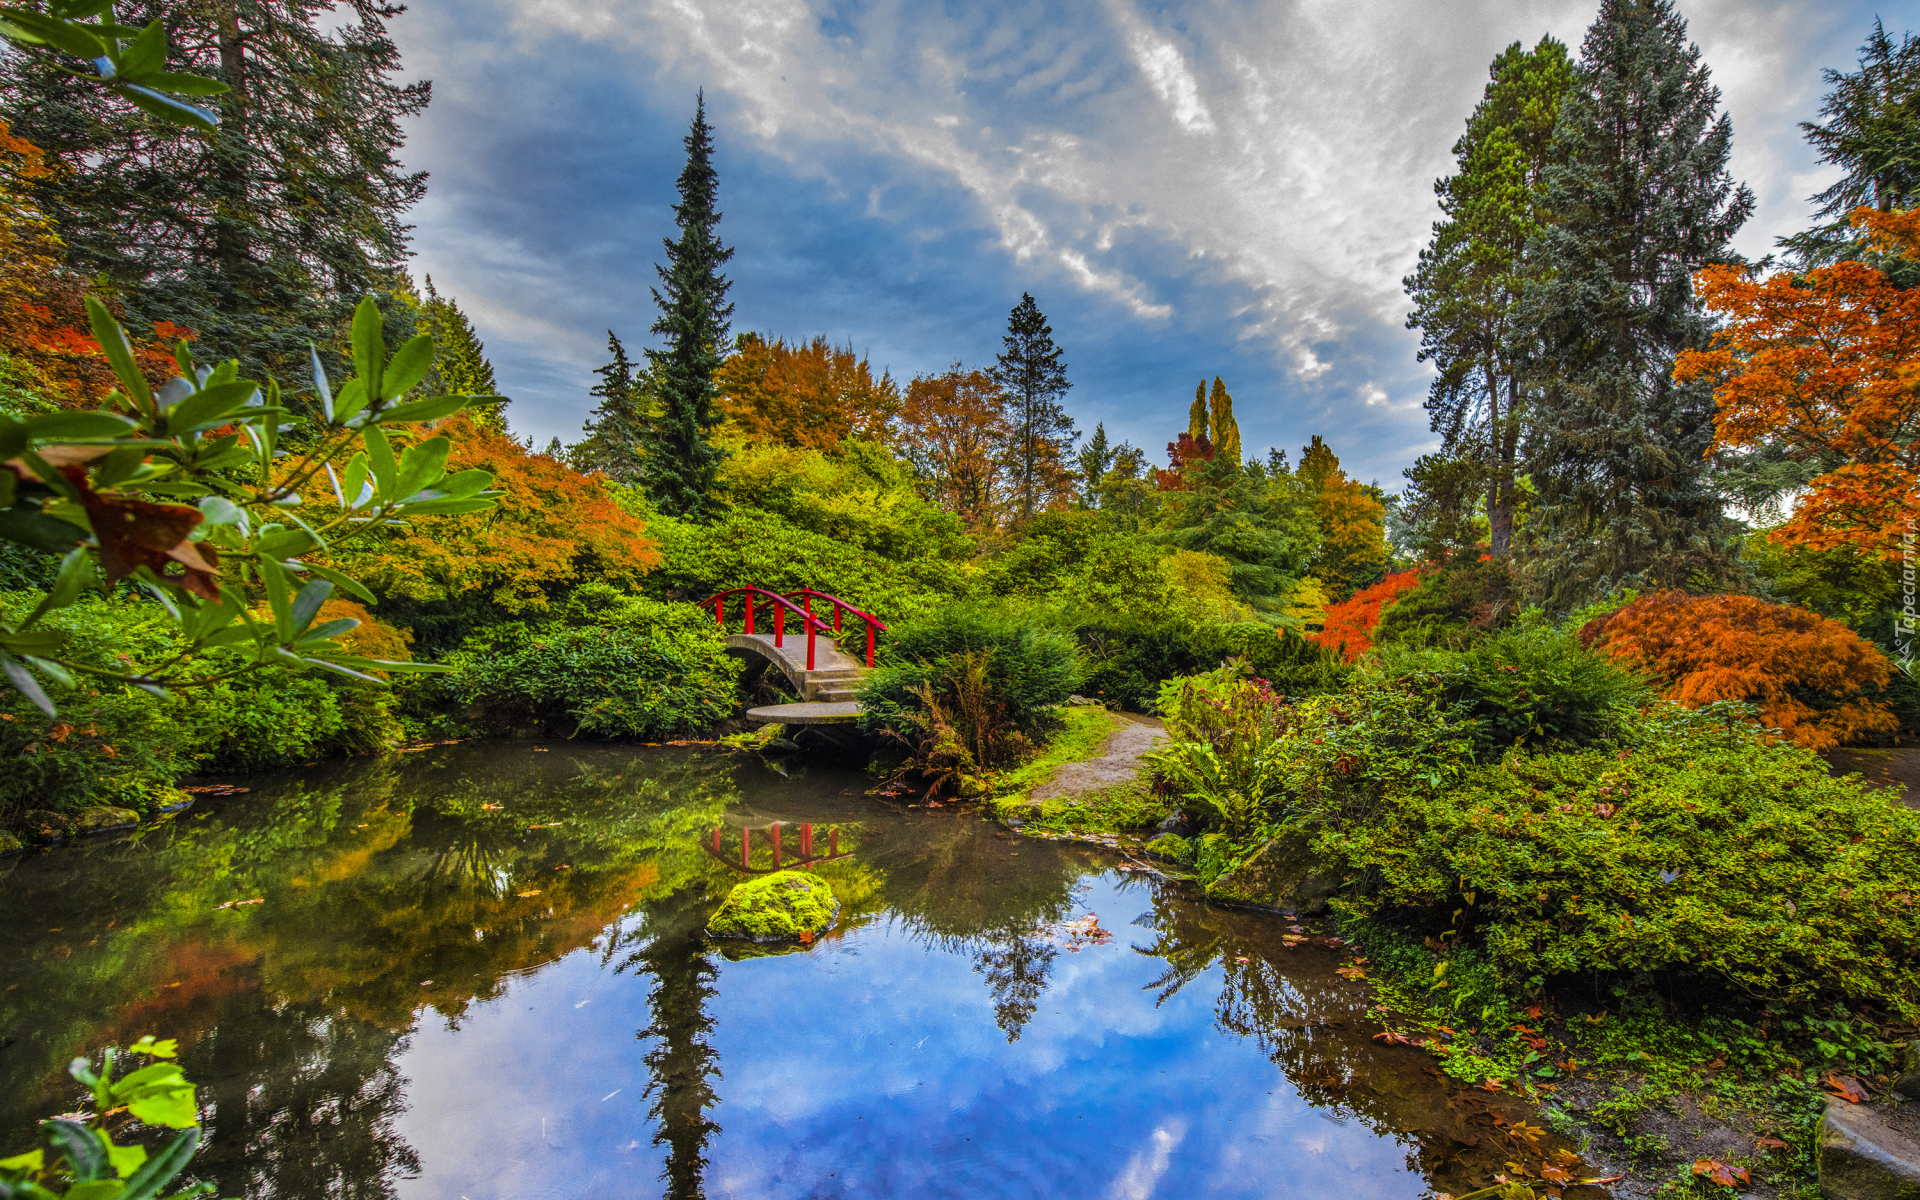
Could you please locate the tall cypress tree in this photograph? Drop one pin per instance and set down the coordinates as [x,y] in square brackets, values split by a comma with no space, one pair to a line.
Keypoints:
[1197,423]
[619,421]
[682,465]
[1030,370]
[1641,198]
[1225,431]
[265,234]
[1467,289]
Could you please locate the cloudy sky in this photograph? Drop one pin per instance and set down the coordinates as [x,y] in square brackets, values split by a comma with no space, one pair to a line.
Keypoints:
[1218,187]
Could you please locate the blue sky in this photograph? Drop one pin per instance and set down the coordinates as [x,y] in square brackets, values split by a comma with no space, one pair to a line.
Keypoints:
[1218,187]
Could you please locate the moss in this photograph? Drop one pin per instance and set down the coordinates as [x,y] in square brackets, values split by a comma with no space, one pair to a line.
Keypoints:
[10,844]
[100,818]
[1117,809]
[1083,732]
[1171,847]
[776,907]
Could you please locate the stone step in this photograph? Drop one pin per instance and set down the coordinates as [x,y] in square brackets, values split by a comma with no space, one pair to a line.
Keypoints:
[831,695]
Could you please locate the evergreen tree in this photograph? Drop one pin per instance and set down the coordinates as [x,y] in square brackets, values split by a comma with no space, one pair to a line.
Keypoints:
[1197,424]
[1224,429]
[1467,289]
[1035,379]
[1095,459]
[681,465]
[1641,198]
[619,422]
[460,366]
[1873,134]
[266,233]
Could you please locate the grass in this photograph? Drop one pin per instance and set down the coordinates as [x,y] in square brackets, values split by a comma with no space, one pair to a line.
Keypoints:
[1114,809]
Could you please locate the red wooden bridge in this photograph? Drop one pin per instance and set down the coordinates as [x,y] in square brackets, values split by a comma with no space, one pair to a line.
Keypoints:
[799,633]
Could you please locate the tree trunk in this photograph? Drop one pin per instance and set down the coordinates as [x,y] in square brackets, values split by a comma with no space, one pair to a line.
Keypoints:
[1506,436]
[231,243]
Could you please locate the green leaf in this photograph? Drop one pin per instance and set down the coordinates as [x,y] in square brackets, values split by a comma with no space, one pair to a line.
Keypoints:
[181,84]
[24,682]
[421,465]
[31,527]
[407,367]
[155,1047]
[424,410]
[210,406]
[76,573]
[219,511]
[337,667]
[166,1104]
[274,578]
[443,508]
[308,602]
[113,340]
[32,1160]
[355,485]
[462,485]
[78,425]
[380,460]
[159,1170]
[344,582]
[80,1146]
[99,1189]
[116,468]
[143,56]
[369,347]
[70,36]
[125,1159]
[321,386]
[175,112]
[351,398]
[330,629]
[283,542]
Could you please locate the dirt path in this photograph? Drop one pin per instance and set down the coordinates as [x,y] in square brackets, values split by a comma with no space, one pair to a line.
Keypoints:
[1882,768]
[1119,761]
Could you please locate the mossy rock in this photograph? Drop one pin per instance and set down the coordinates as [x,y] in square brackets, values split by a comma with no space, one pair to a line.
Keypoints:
[1171,847]
[1284,875]
[102,818]
[776,908]
[10,844]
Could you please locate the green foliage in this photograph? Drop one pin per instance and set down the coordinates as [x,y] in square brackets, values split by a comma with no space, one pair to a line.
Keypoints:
[1226,751]
[1690,848]
[614,667]
[1129,655]
[860,494]
[783,905]
[460,365]
[80,1157]
[989,665]
[1452,609]
[1529,685]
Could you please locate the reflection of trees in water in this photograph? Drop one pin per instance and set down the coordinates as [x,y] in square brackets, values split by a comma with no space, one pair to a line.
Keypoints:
[1017,967]
[300,1102]
[683,1061]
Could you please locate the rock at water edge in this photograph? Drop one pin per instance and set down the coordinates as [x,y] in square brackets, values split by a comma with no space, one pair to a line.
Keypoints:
[1283,874]
[1171,847]
[102,818]
[779,907]
[1861,1158]
[10,844]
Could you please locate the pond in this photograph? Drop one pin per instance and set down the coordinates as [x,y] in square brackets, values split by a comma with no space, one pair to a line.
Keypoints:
[480,971]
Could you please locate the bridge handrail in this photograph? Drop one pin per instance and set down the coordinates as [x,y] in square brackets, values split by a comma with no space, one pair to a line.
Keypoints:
[810,621]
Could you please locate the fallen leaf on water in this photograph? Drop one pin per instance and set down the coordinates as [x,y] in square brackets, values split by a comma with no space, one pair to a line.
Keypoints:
[1240,958]
[426,983]
[1553,1174]
[1393,1038]
[1531,1133]
[1352,972]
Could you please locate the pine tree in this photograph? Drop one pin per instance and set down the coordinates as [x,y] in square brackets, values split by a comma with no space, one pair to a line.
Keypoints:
[1035,379]
[264,235]
[1095,458]
[619,422]
[1467,289]
[1641,198]
[1224,429]
[1873,133]
[460,366]
[681,466]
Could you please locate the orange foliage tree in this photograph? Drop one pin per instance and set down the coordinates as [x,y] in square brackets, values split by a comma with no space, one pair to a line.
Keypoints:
[954,429]
[1710,648]
[1825,366]
[1350,624]
[813,395]
[552,527]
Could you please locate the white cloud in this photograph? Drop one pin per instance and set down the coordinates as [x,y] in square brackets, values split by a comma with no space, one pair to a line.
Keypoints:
[1138,1179]
[1161,63]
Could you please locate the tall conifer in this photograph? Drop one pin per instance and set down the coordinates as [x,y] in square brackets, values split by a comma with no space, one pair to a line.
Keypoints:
[1224,430]
[618,423]
[1641,198]
[681,466]
[460,365]
[1035,379]
[1197,423]
[1095,459]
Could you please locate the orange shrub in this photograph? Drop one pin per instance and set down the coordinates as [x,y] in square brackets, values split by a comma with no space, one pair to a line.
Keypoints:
[1712,648]
[1350,624]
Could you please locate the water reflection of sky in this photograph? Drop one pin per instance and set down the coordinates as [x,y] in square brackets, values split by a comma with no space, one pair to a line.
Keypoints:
[873,1066]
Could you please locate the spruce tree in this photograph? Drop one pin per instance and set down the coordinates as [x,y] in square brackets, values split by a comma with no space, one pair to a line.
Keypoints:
[263,235]
[1468,286]
[681,466]
[460,366]
[1873,134]
[618,423]
[1095,459]
[1641,198]
[1035,379]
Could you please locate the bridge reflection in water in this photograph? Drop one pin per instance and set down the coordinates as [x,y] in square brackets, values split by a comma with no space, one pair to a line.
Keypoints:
[806,859]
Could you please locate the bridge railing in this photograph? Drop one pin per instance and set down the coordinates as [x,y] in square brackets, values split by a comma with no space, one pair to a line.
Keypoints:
[758,597]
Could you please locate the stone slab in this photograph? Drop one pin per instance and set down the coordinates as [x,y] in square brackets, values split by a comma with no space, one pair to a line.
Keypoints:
[1863,1158]
[843,713]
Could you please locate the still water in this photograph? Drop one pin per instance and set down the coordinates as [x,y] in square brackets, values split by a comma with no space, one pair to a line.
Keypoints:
[479,972]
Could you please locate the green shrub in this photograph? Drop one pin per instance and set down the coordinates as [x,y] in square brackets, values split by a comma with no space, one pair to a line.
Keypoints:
[1226,750]
[1128,657]
[1454,608]
[1529,684]
[1687,847]
[613,666]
